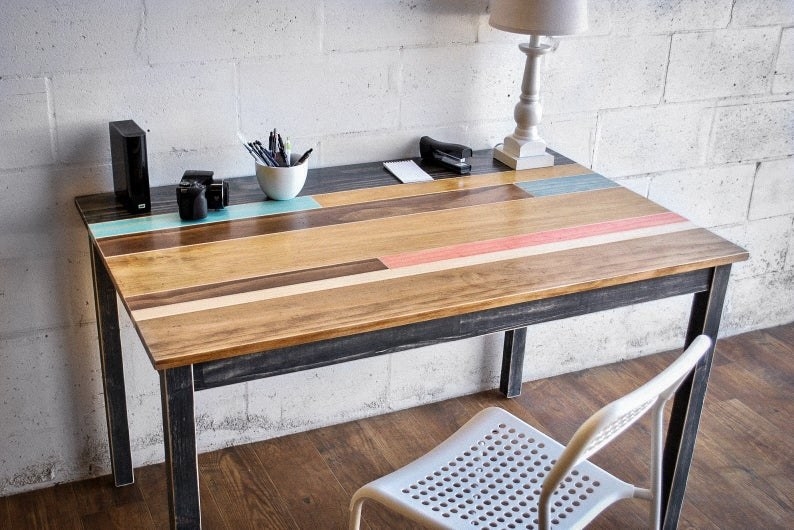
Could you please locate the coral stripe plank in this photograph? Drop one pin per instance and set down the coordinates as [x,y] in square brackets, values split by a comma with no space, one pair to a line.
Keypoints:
[538,238]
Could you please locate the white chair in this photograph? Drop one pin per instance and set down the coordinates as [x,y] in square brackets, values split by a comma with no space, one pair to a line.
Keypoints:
[498,472]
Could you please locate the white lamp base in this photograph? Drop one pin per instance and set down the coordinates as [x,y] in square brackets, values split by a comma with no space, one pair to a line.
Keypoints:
[523,162]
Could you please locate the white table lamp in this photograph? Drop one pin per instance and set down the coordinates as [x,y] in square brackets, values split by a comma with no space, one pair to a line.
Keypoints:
[525,149]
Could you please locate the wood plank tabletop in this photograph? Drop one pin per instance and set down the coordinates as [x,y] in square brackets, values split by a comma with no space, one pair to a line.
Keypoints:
[267,274]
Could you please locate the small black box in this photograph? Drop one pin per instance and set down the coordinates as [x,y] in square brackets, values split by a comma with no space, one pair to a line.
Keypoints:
[130,166]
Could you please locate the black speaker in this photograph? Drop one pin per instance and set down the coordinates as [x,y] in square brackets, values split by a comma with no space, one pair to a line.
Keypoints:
[130,167]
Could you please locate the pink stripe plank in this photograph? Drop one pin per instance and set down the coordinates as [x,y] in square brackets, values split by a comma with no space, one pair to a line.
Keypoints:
[462,250]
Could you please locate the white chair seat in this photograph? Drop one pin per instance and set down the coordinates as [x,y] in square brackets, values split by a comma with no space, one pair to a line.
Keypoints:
[489,475]
[498,472]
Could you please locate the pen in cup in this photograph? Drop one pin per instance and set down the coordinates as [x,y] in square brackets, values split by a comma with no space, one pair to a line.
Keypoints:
[278,153]
[303,158]
[281,150]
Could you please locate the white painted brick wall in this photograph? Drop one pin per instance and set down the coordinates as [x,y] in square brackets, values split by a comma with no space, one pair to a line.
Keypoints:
[619,72]
[643,17]
[784,67]
[732,184]
[41,37]
[715,64]
[420,23]
[763,13]
[188,31]
[354,92]
[767,241]
[652,138]
[689,103]
[25,124]
[459,84]
[766,297]
[182,107]
[753,131]
[790,253]
[773,192]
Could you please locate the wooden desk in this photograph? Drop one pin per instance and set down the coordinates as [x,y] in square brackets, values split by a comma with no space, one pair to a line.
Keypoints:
[361,265]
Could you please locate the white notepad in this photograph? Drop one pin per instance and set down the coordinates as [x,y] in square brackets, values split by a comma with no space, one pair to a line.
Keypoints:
[407,171]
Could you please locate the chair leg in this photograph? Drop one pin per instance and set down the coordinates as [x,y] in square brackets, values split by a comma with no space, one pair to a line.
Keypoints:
[657,448]
[355,514]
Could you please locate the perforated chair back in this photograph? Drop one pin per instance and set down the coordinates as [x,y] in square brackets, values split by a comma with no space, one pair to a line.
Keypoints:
[609,422]
[497,471]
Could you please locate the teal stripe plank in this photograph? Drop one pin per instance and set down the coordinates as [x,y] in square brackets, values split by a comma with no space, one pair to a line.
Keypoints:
[563,185]
[172,220]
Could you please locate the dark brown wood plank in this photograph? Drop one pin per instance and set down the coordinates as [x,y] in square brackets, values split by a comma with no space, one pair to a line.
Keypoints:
[719,487]
[245,494]
[130,516]
[252,284]
[5,516]
[152,484]
[784,334]
[399,437]
[304,481]
[51,508]
[350,444]
[763,380]
[98,495]
[355,457]
[748,451]
[438,421]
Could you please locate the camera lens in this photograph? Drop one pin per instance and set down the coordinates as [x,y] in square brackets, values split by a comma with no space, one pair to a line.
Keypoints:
[218,195]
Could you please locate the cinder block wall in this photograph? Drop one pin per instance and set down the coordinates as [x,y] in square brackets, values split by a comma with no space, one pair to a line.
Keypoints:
[688,103]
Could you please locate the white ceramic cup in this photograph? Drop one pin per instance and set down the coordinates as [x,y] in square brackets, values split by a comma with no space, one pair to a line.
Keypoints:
[282,183]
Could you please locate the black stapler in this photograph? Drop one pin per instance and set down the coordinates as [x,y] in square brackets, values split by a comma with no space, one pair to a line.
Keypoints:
[452,156]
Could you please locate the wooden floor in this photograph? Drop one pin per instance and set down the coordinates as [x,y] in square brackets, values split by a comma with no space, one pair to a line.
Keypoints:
[742,476]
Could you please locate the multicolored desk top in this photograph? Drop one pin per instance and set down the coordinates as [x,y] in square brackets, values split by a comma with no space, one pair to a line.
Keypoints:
[267,274]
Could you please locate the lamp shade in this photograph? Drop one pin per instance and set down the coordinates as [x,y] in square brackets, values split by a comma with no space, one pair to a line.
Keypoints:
[539,17]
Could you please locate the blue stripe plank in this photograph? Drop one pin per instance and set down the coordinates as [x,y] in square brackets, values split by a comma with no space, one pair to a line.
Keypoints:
[563,185]
[172,220]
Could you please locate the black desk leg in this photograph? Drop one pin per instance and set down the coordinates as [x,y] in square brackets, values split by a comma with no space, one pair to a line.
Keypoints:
[688,403]
[107,319]
[513,362]
[179,437]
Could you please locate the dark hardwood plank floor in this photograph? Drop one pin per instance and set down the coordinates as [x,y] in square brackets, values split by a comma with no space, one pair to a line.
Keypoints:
[742,475]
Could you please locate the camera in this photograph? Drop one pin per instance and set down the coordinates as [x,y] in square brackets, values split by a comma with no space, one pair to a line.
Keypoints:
[197,193]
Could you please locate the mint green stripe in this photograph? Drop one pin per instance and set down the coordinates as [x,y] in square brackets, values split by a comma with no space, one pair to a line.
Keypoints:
[172,220]
[563,185]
